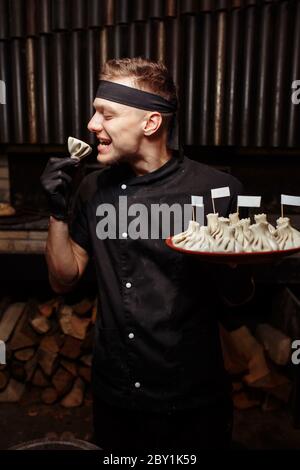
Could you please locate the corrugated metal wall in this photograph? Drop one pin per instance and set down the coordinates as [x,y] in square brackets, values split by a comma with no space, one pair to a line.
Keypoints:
[234,62]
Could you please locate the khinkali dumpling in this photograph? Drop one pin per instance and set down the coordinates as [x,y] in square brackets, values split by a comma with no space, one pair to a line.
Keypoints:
[205,242]
[228,242]
[234,218]
[212,223]
[263,218]
[286,236]
[222,229]
[187,238]
[243,234]
[78,148]
[263,240]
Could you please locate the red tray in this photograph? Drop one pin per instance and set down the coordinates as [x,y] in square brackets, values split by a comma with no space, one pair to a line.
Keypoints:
[236,258]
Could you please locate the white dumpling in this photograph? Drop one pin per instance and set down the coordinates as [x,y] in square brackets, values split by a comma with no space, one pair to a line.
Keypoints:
[263,218]
[228,242]
[263,240]
[223,226]
[243,234]
[234,218]
[183,239]
[205,241]
[235,236]
[286,236]
[78,148]
[212,223]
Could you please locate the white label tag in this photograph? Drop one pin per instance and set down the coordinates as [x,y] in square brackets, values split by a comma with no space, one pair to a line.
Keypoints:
[197,201]
[290,200]
[220,192]
[248,201]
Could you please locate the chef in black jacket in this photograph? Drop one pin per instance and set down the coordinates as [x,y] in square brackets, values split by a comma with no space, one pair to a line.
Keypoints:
[158,375]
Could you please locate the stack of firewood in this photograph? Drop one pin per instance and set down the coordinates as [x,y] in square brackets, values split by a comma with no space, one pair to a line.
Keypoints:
[257,364]
[48,346]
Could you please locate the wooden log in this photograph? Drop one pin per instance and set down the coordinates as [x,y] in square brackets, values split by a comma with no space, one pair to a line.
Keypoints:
[87,360]
[18,371]
[10,319]
[237,386]
[242,401]
[40,379]
[79,327]
[49,395]
[71,348]
[47,360]
[48,353]
[69,366]
[13,392]
[30,367]
[277,344]
[250,350]
[24,355]
[71,324]
[4,378]
[6,209]
[88,342]
[40,324]
[48,308]
[62,381]
[52,343]
[233,362]
[83,307]
[65,314]
[76,395]
[85,373]
[23,336]
[279,386]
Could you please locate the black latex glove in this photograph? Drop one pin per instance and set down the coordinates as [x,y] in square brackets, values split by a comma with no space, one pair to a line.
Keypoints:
[56,181]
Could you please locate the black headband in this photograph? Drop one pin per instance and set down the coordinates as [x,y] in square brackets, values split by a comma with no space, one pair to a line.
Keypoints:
[143,100]
[136,98]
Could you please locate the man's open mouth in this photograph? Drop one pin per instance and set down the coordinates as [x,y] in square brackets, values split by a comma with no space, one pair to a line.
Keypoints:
[105,141]
[104,145]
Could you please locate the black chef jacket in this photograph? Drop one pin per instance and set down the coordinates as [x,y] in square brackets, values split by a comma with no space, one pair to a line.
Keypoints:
[157,344]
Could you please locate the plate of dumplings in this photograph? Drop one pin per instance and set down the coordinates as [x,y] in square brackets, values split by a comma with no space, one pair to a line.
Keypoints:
[235,240]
